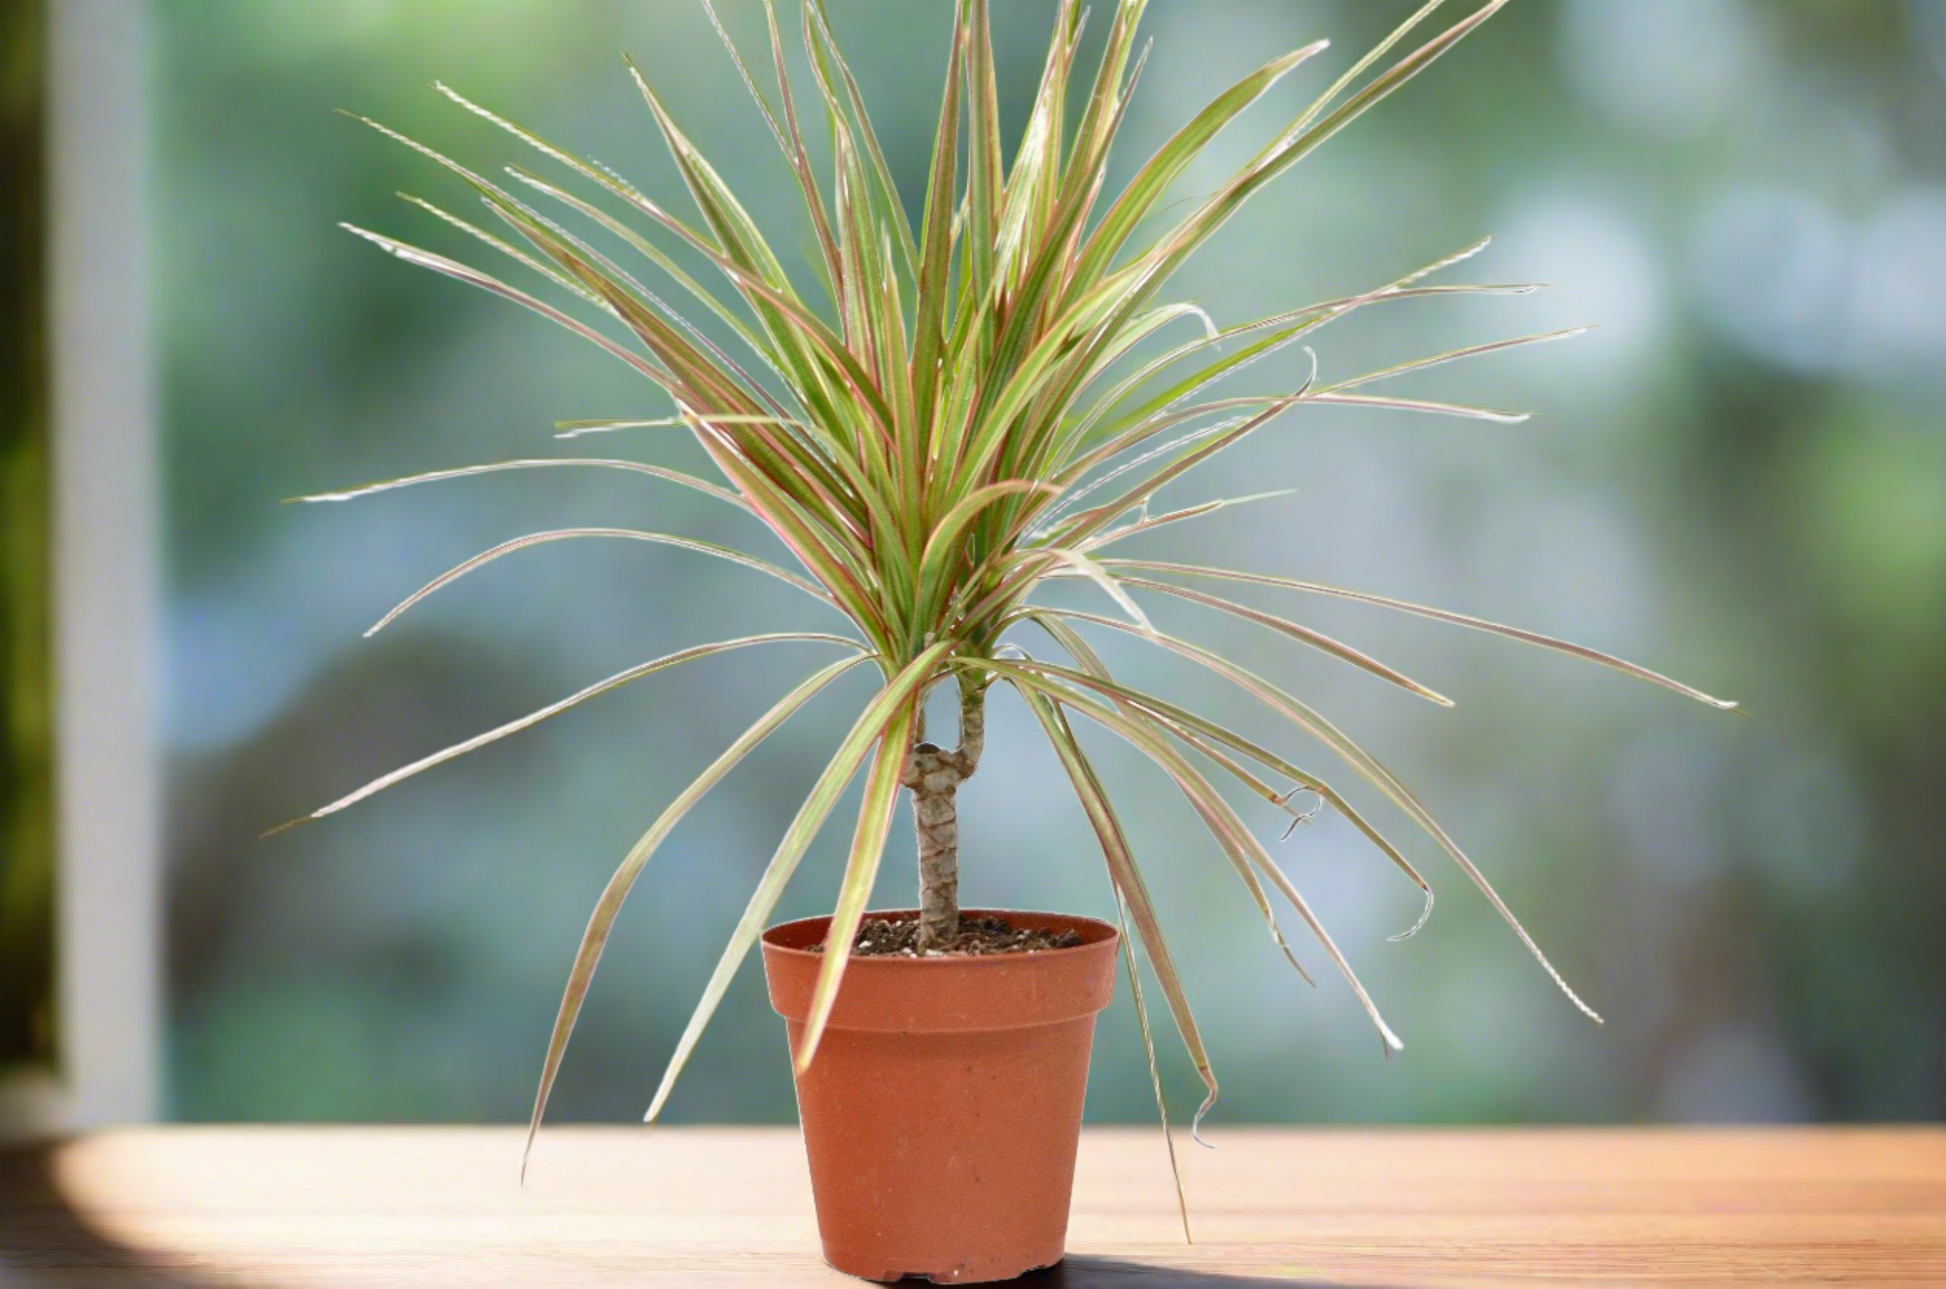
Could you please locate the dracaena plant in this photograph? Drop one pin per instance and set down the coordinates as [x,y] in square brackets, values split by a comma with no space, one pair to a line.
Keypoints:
[937,421]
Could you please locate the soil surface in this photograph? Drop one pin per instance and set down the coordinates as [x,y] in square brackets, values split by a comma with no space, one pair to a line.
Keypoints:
[977,935]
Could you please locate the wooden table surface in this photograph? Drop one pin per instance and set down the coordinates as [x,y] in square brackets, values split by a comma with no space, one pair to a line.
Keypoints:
[289,1208]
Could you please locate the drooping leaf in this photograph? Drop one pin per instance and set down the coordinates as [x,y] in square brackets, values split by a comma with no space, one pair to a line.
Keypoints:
[861,870]
[889,706]
[1367,766]
[566,534]
[615,681]
[1439,615]
[532,463]
[1127,878]
[1134,969]
[602,921]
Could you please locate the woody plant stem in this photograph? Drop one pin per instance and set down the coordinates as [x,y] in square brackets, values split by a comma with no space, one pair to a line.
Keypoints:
[934,774]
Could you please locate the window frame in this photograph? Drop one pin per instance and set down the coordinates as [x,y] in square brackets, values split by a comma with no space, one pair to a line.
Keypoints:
[101,402]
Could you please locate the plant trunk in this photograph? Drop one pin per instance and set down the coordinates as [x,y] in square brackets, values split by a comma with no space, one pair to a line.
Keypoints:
[934,775]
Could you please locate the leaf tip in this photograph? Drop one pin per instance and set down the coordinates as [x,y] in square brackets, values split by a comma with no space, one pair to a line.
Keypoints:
[286,826]
[1196,1123]
[654,1111]
[1425,914]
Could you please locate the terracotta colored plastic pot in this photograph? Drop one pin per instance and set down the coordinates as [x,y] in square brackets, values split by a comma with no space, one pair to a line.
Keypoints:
[942,1111]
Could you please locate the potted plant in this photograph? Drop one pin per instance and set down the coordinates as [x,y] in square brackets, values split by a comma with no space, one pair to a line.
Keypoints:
[973,407]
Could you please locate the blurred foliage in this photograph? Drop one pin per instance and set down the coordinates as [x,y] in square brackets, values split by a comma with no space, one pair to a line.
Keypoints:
[1739,479]
[26,725]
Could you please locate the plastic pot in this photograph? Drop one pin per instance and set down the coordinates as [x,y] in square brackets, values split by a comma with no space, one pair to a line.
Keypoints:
[943,1108]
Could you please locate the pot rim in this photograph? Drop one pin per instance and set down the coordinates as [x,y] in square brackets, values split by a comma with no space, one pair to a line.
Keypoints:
[1106,934]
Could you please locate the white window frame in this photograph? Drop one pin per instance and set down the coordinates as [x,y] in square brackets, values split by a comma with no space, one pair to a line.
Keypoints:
[106,540]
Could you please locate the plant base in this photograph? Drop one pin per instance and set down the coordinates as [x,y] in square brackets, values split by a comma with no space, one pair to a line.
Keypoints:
[942,1112]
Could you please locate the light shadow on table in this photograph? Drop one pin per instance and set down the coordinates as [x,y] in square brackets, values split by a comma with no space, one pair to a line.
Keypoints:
[46,1244]
[1111,1273]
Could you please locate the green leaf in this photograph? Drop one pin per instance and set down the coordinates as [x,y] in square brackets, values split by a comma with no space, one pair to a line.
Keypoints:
[512,252]
[1421,405]
[563,534]
[1126,876]
[535,463]
[861,870]
[1096,675]
[1148,1050]
[1223,825]
[985,185]
[1200,732]
[1455,355]
[1367,766]
[884,192]
[473,277]
[1439,615]
[1143,191]
[1197,511]
[615,681]
[1316,639]
[879,715]
[934,282]
[588,955]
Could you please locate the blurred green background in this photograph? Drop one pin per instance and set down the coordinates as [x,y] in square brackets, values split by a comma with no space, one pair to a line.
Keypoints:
[1740,478]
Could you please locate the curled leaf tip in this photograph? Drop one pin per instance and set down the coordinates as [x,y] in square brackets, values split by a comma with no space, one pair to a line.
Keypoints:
[1305,815]
[1424,915]
[1196,1123]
